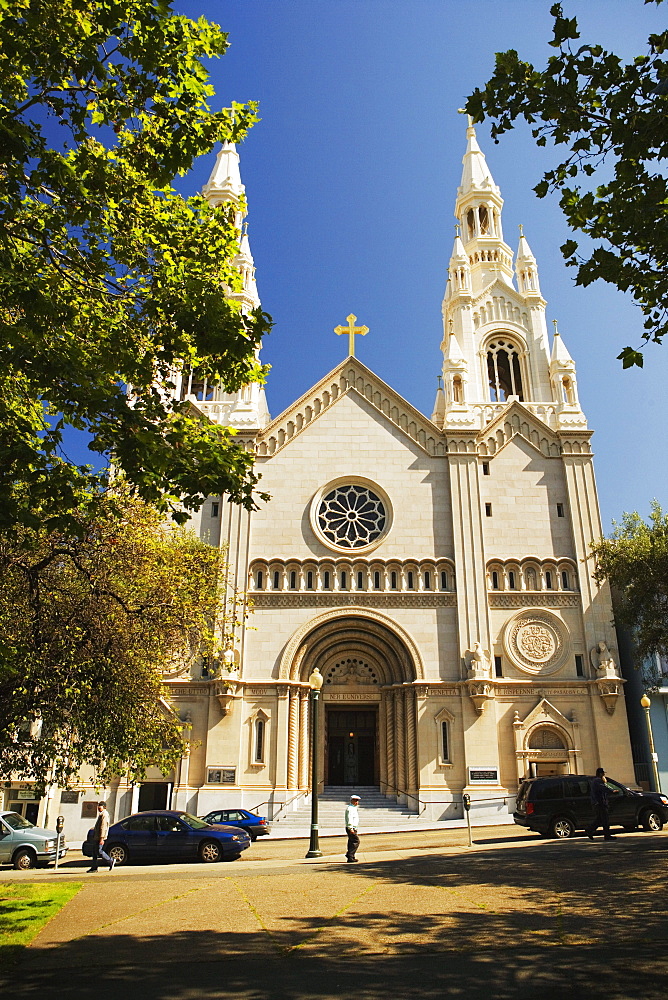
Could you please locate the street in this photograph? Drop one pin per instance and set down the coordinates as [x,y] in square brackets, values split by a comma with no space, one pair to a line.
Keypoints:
[516,916]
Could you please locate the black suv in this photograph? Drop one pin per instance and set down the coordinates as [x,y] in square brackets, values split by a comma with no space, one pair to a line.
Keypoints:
[560,805]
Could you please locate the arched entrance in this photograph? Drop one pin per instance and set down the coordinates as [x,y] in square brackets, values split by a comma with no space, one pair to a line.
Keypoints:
[368,730]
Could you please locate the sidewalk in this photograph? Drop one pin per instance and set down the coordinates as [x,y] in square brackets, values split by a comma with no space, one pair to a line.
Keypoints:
[509,918]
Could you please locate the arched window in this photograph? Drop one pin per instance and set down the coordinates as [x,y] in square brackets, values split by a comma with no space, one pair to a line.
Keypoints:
[444,580]
[544,738]
[258,755]
[457,389]
[503,371]
[483,215]
[470,223]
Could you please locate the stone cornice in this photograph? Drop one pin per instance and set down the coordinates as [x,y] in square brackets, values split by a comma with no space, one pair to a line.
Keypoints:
[382,601]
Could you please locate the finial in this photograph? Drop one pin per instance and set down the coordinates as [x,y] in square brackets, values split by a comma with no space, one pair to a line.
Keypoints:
[352,332]
[440,381]
[450,330]
[462,111]
[521,229]
[554,324]
[245,228]
[456,229]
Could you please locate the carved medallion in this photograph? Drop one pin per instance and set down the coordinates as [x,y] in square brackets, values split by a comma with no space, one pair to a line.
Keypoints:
[536,641]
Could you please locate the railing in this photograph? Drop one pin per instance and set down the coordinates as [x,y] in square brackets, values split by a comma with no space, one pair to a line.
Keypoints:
[409,795]
[283,805]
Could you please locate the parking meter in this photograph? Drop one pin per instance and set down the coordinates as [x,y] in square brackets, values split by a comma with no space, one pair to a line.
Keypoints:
[60,823]
[466,799]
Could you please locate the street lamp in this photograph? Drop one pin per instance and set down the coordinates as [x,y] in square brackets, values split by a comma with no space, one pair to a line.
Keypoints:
[316,681]
[645,702]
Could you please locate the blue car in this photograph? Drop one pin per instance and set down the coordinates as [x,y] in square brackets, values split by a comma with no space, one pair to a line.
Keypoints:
[255,826]
[173,835]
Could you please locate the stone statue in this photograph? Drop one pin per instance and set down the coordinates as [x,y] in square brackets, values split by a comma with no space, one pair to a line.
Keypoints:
[603,661]
[477,662]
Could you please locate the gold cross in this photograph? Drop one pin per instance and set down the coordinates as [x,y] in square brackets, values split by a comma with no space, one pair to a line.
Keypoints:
[352,331]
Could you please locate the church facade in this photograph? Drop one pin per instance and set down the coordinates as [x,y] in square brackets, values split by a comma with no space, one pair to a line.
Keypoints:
[434,570]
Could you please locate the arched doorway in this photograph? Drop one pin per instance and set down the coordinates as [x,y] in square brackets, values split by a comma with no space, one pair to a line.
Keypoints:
[548,751]
[368,729]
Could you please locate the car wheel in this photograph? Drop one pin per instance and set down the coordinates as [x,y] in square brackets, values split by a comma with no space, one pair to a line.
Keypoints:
[652,821]
[119,853]
[210,852]
[24,860]
[562,827]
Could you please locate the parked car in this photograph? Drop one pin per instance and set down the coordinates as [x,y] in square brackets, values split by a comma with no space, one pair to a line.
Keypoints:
[172,835]
[25,845]
[559,805]
[256,826]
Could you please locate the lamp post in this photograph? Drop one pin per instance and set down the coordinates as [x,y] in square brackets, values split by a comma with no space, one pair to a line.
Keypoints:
[646,702]
[316,681]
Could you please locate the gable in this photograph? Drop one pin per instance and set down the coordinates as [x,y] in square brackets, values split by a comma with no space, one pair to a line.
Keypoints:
[350,378]
[499,303]
[516,420]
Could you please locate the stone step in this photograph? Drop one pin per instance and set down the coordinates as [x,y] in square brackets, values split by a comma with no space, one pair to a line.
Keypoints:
[376,810]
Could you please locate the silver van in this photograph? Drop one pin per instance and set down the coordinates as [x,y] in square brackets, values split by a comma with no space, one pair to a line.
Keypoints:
[27,846]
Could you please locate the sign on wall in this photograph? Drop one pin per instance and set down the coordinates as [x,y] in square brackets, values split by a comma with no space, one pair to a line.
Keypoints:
[483,776]
[221,776]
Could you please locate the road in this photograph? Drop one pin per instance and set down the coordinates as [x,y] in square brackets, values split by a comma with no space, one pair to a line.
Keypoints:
[421,915]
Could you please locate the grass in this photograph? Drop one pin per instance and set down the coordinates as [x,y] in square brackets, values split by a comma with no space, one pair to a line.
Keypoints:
[24,909]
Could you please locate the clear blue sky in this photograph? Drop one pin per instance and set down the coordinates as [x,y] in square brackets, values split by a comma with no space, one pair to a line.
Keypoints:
[351,178]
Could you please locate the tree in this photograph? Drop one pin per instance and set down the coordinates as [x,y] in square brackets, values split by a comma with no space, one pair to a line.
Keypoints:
[108,278]
[612,118]
[89,622]
[635,561]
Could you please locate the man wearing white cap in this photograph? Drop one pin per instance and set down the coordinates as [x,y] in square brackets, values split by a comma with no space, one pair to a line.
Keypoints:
[352,825]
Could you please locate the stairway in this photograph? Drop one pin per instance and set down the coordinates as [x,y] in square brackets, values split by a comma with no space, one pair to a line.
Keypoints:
[376,812]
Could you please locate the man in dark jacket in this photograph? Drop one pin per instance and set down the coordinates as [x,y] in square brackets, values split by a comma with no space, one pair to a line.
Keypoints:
[599,800]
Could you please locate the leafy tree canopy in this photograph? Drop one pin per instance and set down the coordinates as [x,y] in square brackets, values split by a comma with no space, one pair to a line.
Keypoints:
[108,278]
[612,117]
[89,622]
[635,561]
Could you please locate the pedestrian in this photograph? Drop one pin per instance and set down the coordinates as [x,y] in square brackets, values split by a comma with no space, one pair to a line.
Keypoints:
[599,800]
[100,832]
[352,827]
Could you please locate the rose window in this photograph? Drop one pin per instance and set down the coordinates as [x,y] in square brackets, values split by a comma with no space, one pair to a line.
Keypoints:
[351,517]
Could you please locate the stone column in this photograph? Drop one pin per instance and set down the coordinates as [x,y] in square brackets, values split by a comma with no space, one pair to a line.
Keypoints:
[411,740]
[293,738]
[303,739]
[400,720]
[382,747]
[388,701]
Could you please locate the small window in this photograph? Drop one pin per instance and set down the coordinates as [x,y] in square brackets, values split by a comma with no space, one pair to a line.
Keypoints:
[488,510]
[277,580]
[560,510]
[309,580]
[495,580]
[360,581]
[344,580]
[293,580]
[579,665]
[410,581]
[214,510]
[259,741]
[498,666]
[565,582]
[548,580]
[376,581]
[427,580]
[325,581]
[511,580]
[444,580]
[393,581]
[445,742]
[259,579]
[485,468]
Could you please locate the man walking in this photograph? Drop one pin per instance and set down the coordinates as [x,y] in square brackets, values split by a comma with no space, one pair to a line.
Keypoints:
[599,800]
[100,832]
[352,826]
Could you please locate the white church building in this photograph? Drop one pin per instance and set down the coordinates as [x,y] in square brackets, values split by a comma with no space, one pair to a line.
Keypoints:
[435,570]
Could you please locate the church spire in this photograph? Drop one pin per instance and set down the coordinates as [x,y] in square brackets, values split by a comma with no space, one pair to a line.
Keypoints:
[526,269]
[476,175]
[245,409]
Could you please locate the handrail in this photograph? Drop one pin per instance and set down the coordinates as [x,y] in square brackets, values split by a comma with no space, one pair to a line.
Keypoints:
[282,806]
[409,795]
